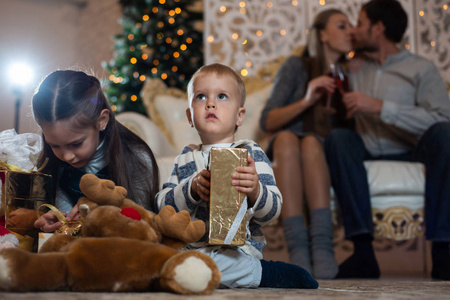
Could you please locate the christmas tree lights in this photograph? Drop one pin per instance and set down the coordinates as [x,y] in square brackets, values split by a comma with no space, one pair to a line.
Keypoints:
[158,41]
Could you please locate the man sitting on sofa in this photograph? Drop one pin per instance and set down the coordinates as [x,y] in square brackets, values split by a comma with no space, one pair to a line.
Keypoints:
[401,110]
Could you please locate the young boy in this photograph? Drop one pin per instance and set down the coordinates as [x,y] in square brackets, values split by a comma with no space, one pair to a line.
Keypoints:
[216,109]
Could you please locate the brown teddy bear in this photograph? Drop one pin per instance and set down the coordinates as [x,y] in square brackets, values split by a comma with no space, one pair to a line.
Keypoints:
[123,247]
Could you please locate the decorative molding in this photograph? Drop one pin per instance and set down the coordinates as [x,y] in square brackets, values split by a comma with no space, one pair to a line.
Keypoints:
[433,33]
[231,29]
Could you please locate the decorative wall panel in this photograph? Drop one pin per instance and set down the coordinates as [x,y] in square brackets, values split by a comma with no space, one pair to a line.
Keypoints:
[246,34]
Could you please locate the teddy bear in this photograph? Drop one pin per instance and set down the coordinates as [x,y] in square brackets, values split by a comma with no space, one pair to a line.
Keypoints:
[123,247]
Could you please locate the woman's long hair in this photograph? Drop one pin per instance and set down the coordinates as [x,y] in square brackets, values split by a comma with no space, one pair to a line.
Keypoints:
[314,46]
[74,95]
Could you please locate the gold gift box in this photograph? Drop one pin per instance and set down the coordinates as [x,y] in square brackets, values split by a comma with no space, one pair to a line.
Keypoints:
[225,200]
[21,194]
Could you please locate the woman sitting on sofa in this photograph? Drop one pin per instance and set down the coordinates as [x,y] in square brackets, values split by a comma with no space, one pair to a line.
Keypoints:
[293,109]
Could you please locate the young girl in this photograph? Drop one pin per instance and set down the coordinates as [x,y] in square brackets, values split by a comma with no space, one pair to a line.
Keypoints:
[81,135]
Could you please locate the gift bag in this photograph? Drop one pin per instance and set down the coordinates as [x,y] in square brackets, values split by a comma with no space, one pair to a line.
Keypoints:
[22,187]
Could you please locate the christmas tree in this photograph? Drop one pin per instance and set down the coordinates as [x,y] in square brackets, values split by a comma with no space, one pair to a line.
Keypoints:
[158,41]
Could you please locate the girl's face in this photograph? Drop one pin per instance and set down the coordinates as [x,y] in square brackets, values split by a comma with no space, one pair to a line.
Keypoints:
[75,146]
[337,34]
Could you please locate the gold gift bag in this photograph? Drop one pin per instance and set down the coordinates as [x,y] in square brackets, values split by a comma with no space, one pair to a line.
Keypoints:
[227,206]
[21,194]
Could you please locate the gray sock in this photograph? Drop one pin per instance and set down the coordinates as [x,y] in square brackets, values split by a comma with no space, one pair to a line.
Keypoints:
[296,235]
[324,262]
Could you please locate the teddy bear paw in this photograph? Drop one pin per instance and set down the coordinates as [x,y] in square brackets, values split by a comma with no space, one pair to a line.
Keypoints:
[179,225]
[190,272]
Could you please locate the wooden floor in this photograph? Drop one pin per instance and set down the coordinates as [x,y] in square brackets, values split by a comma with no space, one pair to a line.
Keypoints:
[385,288]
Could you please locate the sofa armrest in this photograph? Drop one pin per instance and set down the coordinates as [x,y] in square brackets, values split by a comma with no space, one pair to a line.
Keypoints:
[148,131]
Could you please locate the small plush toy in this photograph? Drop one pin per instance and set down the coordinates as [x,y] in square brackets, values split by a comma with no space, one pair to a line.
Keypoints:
[123,248]
[7,239]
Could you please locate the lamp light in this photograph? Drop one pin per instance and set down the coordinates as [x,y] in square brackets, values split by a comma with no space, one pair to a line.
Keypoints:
[19,74]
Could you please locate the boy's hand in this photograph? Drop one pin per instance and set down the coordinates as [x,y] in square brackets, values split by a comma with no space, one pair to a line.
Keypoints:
[200,185]
[246,180]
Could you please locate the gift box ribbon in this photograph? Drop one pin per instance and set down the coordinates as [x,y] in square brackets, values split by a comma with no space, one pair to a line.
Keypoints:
[71,228]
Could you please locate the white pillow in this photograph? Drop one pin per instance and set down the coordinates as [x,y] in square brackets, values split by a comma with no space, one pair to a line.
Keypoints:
[254,105]
[173,113]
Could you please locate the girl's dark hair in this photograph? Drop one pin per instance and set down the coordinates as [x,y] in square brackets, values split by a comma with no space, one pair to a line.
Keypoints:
[314,47]
[391,14]
[74,95]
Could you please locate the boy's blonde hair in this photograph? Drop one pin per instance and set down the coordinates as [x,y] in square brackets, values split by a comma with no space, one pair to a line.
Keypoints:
[220,70]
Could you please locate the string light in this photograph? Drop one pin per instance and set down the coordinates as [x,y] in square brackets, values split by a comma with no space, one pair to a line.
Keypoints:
[322,2]
[163,76]
[133,60]
[142,78]
[178,10]
[294,2]
[113,107]
[421,13]
[131,36]
[133,98]
[145,18]
[244,72]
[183,47]
[223,8]
[235,36]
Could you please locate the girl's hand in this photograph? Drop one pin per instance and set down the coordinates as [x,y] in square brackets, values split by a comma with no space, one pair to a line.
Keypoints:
[246,180]
[74,214]
[200,185]
[318,86]
[48,222]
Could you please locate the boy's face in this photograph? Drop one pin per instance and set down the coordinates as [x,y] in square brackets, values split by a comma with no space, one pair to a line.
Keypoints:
[215,108]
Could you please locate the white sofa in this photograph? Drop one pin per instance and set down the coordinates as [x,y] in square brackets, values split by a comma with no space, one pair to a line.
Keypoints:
[396,188]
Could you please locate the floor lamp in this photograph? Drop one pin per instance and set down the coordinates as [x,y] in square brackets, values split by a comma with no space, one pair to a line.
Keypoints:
[19,75]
